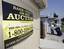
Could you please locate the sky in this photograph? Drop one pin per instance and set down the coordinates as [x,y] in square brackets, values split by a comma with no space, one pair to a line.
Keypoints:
[54,6]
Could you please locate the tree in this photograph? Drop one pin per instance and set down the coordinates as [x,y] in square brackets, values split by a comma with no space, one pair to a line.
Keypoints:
[55,15]
[62,19]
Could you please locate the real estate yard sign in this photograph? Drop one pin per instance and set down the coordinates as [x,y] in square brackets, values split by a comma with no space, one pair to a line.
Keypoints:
[17,24]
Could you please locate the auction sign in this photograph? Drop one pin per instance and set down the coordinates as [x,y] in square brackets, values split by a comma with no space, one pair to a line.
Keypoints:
[17,24]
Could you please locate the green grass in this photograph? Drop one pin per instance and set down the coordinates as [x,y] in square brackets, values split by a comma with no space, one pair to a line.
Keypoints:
[62,28]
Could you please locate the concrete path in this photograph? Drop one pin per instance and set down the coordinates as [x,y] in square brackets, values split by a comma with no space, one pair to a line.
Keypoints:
[52,42]
[49,44]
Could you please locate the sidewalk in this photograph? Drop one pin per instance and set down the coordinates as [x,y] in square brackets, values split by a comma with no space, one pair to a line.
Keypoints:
[49,44]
